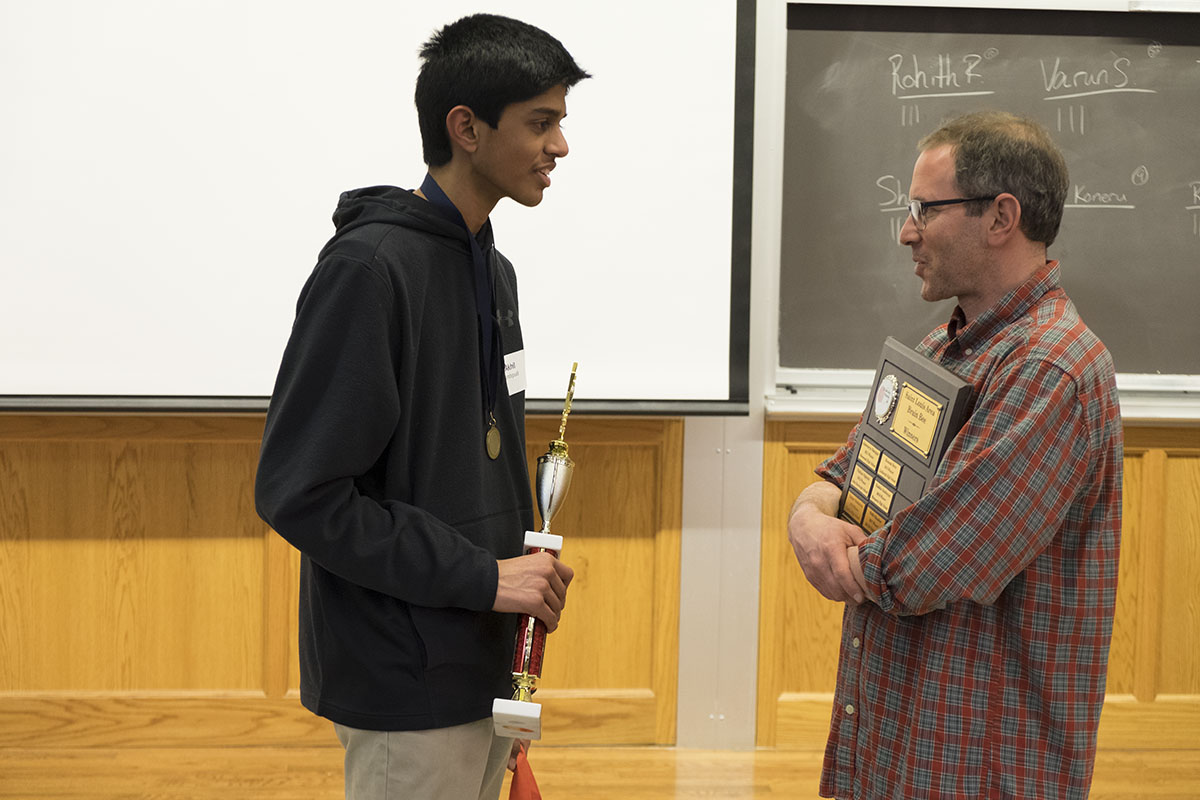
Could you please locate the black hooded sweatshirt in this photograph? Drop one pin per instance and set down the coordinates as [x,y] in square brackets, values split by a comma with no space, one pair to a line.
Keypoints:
[373,465]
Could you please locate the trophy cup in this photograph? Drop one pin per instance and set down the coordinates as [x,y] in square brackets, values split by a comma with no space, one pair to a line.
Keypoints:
[520,717]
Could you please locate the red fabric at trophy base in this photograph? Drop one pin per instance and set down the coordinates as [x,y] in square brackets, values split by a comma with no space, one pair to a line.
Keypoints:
[523,787]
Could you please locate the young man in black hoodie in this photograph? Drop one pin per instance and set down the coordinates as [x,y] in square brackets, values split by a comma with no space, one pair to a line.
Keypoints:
[394,451]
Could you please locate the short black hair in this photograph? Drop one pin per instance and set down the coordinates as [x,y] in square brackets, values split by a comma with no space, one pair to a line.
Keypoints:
[485,62]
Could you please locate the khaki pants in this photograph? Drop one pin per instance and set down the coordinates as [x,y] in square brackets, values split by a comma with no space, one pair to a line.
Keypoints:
[460,763]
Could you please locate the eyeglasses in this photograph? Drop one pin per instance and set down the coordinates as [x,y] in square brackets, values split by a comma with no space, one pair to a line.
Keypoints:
[917,208]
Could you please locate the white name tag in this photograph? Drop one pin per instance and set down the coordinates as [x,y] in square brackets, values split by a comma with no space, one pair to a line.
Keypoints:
[514,371]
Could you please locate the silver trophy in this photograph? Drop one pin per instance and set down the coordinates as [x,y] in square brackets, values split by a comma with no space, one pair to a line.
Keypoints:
[520,717]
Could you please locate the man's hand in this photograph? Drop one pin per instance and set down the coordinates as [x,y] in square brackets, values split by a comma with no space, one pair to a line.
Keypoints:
[820,541]
[535,584]
[517,746]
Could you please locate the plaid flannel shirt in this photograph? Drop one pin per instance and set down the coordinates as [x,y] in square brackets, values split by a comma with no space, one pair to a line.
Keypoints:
[977,667]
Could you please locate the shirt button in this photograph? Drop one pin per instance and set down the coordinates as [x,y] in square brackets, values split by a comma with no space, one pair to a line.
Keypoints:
[969,351]
[850,709]
[857,642]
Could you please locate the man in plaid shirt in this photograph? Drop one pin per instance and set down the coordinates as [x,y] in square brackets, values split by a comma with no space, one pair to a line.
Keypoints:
[977,624]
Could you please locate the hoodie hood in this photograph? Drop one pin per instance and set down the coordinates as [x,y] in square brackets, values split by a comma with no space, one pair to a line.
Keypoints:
[389,205]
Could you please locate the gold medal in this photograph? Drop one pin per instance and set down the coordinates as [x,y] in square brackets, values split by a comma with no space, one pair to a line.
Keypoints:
[492,440]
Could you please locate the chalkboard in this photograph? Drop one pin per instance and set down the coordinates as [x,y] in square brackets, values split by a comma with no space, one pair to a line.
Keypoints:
[1119,92]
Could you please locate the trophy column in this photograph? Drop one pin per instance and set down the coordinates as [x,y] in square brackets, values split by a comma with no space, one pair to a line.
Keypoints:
[520,717]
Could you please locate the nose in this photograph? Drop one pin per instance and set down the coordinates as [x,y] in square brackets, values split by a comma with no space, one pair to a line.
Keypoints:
[908,231]
[556,145]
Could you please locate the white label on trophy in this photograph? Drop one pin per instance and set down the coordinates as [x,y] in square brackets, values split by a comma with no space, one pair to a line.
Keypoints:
[514,371]
[543,541]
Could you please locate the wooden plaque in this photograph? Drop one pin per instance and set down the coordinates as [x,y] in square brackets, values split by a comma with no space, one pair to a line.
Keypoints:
[915,410]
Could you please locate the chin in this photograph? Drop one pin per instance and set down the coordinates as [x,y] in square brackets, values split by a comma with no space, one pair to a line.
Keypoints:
[530,201]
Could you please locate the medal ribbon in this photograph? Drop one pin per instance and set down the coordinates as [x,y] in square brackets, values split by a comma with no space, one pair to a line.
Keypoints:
[489,335]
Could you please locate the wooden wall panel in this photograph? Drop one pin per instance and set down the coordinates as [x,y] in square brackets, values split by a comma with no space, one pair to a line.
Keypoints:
[799,629]
[1121,661]
[122,574]
[1179,660]
[1154,662]
[144,600]
[611,668]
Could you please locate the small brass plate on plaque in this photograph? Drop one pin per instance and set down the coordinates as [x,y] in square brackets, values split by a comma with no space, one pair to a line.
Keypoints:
[853,508]
[873,520]
[897,449]
[890,470]
[861,479]
[868,455]
[881,497]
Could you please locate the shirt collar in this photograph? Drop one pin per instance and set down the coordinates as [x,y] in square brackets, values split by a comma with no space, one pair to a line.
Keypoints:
[1011,307]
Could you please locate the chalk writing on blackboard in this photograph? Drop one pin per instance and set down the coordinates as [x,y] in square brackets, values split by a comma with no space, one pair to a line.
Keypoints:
[942,75]
[1064,80]
[894,202]
[1119,102]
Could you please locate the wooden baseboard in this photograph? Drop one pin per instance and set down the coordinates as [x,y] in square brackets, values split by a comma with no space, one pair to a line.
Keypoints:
[613,717]
[1170,722]
[170,719]
[157,720]
[583,717]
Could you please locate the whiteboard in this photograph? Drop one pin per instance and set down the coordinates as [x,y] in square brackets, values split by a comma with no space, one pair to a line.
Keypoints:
[170,169]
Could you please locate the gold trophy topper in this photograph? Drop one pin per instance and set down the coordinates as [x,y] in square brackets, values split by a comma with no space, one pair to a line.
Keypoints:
[562,426]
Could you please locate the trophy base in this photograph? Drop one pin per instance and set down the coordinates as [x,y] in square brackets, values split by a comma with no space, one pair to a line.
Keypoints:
[536,540]
[517,719]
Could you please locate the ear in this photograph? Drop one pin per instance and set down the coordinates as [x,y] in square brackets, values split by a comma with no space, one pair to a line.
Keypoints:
[462,128]
[1005,219]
